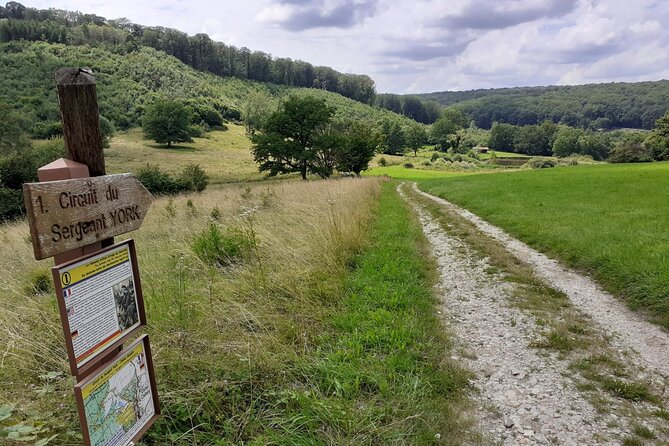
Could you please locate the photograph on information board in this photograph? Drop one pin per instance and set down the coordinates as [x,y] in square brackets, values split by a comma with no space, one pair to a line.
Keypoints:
[100,300]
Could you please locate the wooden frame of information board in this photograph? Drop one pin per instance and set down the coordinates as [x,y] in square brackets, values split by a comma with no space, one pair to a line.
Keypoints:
[81,370]
[90,380]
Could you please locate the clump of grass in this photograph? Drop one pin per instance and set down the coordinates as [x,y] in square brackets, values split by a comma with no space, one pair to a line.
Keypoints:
[632,391]
[39,282]
[632,441]
[643,432]
[215,214]
[222,248]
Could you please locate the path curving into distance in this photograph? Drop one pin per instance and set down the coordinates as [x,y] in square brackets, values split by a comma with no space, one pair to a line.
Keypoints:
[631,331]
[526,396]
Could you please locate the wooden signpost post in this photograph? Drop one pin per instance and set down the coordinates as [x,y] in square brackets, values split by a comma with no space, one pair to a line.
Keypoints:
[74,213]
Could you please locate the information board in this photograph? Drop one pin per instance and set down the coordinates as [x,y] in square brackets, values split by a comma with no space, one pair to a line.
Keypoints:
[100,300]
[120,402]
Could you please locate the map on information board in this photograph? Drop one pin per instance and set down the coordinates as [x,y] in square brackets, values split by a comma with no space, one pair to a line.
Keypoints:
[119,401]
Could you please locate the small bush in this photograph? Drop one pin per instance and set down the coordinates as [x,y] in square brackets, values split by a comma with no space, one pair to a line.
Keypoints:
[11,203]
[434,157]
[157,181]
[215,214]
[383,162]
[427,163]
[39,282]
[631,150]
[194,178]
[408,165]
[221,249]
[540,163]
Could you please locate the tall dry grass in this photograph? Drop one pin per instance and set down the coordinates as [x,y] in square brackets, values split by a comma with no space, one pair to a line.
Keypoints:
[221,336]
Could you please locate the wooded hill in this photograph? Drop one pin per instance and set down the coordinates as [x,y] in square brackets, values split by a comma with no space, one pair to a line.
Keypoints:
[127,82]
[18,22]
[611,105]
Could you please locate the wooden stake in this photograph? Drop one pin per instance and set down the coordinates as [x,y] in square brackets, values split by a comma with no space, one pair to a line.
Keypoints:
[78,102]
[81,123]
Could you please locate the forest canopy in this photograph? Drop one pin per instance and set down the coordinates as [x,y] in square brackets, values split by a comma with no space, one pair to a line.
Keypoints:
[596,106]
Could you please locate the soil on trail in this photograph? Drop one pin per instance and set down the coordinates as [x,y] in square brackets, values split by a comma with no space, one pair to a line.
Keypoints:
[526,396]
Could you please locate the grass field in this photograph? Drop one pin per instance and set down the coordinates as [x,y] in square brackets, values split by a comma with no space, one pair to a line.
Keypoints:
[402,173]
[224,155]
[610,220]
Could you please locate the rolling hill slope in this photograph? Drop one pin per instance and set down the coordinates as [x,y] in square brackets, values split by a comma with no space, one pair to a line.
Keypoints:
[611,105]
[126,82]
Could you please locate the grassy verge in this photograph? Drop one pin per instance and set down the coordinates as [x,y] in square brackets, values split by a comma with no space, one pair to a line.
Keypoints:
[380,375]
[607,219]
[412,174]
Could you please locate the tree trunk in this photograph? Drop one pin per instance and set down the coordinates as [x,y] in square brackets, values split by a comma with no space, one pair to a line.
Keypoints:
[169,143]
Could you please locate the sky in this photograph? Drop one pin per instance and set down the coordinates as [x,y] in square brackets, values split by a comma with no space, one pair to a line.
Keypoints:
[422,46]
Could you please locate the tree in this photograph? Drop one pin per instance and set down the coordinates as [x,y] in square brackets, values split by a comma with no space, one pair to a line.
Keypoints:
[393,138]
[167,121]
[255,111]
[567,141]
[416,137]
[630,149]
[444,130]
[595,144]
[12,136]
[287,141]
[502,137]
[360,142]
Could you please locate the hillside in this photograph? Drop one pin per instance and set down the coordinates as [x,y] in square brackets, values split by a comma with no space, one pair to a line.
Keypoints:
[126,82]
[611,105]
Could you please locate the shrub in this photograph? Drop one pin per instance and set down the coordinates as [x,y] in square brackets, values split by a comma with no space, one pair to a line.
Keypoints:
[434,157]
[194,178]
[231,114]
[383,162]
[540,163]
[157,181]
[11,203]
[631,150]
[408,165]
[427,163]
[221,249]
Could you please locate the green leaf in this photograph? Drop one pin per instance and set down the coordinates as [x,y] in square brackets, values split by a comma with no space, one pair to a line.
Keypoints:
[51,375]
[45,441]
[6,411]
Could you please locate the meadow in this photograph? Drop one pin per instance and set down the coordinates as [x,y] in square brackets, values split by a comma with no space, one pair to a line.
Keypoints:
[224,155]
[608,220]
[282,312]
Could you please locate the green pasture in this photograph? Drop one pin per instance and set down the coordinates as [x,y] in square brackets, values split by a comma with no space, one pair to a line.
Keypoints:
[609,220]
[413,174]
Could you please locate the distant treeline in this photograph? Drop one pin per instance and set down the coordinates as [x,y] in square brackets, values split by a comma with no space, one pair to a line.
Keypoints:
[413,107]
[596,106]
[18,22]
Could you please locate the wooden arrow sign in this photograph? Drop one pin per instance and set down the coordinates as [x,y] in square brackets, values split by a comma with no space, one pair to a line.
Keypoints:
[69,214]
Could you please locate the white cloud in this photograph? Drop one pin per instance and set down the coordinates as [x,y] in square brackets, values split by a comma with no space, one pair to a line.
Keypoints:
[430,45]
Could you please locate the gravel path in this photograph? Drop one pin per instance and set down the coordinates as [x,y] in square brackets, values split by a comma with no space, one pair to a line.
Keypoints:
[633,333]
[525,397]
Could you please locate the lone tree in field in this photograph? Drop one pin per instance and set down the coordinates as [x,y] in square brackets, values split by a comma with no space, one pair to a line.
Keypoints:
[290,137]
[167,121]
[360,142]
